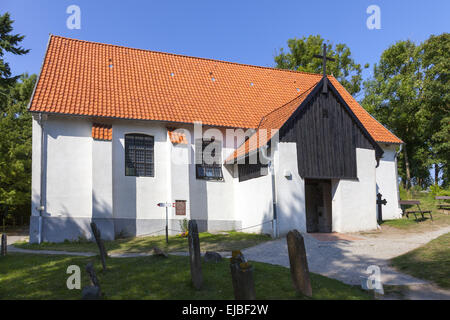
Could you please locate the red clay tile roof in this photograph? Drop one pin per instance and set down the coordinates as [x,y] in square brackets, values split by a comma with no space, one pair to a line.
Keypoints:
[378,132]
[102,131]
[176,137]
[269,126]
[94,79]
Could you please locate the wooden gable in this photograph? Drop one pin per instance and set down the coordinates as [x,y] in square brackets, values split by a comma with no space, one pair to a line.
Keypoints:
[327,134]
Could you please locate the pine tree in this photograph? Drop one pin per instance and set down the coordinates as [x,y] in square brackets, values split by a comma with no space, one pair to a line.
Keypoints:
[8,43]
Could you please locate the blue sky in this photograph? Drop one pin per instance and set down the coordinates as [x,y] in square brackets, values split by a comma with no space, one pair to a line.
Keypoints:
[240,31]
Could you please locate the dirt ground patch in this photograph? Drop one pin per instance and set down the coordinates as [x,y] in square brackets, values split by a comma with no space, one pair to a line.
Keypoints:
[395,229]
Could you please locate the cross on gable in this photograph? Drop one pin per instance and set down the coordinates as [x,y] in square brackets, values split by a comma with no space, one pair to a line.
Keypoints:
[325,58]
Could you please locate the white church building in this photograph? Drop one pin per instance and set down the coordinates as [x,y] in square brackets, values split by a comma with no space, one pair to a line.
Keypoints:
[117,130]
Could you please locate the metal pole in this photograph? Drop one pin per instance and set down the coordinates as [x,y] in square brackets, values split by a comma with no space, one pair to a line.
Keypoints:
[40,227]
[274,202]
[167,224]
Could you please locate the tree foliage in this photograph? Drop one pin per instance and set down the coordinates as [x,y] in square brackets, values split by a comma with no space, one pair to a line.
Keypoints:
[8,43]
[15,126]
[15,144]
[434,57]
[301,58]
[409,94]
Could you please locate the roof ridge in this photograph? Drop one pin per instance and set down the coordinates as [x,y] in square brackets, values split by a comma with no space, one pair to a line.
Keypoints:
[190,57]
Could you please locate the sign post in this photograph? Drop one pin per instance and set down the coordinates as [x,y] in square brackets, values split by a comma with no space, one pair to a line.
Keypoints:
[167,225]
[166,205]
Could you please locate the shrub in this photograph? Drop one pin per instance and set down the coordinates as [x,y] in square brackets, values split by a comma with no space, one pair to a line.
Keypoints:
[184,225]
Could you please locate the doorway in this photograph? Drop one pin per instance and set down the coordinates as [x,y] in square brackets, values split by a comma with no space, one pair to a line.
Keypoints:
[318,205]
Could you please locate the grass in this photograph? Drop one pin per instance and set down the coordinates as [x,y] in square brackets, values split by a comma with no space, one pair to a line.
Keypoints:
[32,276]
[208,242]
[439,219]
[430,262]
[427,202]
[427,199]
[402,223]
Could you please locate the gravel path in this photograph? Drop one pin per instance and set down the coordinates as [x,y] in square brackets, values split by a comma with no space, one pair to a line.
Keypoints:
[347,261]
[67,253]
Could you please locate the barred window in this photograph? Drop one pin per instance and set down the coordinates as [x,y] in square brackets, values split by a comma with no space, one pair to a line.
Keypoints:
[251,171]
[209,161]
[139,155]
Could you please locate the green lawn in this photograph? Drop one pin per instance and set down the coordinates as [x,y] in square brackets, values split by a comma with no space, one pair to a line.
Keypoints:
[439,220]
[32,276]
[400,223]
[429,262]
[208,241]
[427,199]
[427,202]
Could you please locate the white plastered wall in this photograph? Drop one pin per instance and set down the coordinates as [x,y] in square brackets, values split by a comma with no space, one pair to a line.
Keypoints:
[290,189]
[36,167]
[353,204]
[212,201]
[387,182]
[102,187]
[179,177]
[209,202]
[253,203]
[69,168]
[137,197]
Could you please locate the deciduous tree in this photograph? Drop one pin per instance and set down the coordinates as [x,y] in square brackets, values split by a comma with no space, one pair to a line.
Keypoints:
[434,58]
[301,58]
[409,93]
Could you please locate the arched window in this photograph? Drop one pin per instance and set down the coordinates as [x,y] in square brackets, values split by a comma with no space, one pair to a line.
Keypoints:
[139,155]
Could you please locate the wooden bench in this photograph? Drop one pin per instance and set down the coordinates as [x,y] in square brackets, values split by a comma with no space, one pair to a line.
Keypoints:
[442,204]
[404,203]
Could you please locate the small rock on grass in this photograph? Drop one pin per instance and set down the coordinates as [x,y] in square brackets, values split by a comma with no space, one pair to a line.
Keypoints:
[159,253]
[211,256]
[91,293]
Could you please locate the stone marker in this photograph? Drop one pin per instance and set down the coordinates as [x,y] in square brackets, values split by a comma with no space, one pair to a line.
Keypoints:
[93,291]
[100,244]
[4,245]
[242,277]
[194,255]
[211,256]
[299,263]
[159,253]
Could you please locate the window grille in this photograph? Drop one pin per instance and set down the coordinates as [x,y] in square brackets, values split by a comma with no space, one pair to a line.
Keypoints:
[139,155]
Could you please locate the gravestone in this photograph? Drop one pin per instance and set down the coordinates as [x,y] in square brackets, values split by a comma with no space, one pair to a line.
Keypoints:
[4,245]
[299,263]
[93,291]
[159,253]
[211,256]
[194,255]
[242,277]
[100,244]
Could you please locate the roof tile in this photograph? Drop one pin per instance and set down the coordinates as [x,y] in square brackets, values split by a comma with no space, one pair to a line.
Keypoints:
[94,79]
[102,131]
